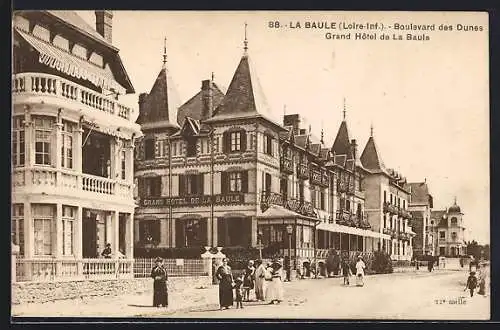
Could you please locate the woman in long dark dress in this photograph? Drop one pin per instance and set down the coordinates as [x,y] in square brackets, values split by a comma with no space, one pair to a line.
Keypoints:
[159,274]
[225,277]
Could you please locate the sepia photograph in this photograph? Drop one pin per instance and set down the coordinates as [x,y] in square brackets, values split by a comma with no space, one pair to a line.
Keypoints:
[250,164]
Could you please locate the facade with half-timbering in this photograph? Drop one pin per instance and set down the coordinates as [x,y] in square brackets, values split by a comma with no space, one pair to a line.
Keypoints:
[220,171]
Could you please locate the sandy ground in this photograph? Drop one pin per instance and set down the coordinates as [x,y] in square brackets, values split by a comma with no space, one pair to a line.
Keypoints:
[412,295]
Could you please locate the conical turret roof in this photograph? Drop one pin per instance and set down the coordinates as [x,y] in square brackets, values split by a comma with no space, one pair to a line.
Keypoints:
[370,158]
[342,145]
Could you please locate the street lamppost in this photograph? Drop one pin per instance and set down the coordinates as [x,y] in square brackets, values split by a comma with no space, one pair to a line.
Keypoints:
[259,242]
[289,230]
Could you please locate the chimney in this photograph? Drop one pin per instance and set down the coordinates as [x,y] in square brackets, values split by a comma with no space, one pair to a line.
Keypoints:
[104,24]
[354,148]
[207,99]
[294,121]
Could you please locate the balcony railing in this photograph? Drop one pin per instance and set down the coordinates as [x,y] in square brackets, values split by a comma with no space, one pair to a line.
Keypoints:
[286,165]
[315,176]
[68,180]
[45,84]
[302,171]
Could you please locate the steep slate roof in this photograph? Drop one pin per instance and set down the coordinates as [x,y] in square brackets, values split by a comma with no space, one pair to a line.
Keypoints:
[161,104]
[370,158]
[419,192]
[244,97]
[342,145]
[194,107]
[438,217]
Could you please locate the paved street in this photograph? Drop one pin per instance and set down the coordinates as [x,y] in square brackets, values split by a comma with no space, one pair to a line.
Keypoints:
[391,296]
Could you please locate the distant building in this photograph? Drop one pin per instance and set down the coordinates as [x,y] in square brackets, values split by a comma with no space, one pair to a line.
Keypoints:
[448,227]
[387,201]
[72,140]
[421,204]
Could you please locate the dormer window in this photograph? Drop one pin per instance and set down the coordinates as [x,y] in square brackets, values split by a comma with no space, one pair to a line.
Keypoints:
[80,51]
[96,59]
[41,33]
[61,43]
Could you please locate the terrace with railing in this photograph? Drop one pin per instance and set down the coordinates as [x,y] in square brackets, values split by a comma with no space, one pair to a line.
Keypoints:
[67,181]
[51,270]
[41,84]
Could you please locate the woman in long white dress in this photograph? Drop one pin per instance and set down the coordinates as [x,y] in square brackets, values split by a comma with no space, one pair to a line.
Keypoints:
[360,271]
[274,281]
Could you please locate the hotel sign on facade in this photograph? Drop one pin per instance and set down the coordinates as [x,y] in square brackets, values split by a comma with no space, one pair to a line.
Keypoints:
[193,200]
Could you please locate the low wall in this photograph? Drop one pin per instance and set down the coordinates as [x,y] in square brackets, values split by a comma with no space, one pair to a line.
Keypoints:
[39,292]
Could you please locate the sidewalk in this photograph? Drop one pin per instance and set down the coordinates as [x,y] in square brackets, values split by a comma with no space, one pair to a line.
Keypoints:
[132,305]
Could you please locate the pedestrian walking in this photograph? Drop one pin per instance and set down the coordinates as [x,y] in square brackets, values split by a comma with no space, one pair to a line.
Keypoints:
[260,280]
[473,264]
[225,276]
[160,291]
[471,283]
[106,253]
[238,289]
[274,290]
[430,263]
[248,280]
[360,271]
[346,270]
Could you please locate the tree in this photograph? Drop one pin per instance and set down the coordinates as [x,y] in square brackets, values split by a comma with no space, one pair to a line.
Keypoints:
[474,249]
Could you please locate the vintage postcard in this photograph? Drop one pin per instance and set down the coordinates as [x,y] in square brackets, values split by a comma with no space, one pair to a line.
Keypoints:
[265,164]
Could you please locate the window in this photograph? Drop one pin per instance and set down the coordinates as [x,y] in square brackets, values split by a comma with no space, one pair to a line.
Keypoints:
[149,148]
[235,182]
[191,232]
[191,147]
[322,200]
[18,141]
[454,221]
[385,196]
[43,216]
[67,145]
[442,234]
[385,221]
[68,217]
[152,187]
[191,184]
[268,144]
[404,205]
[216,144]
[149,231]
[43,137]
[235,139]
[284,188]
[442,251]
[123,168]
[17,229]
[391,198]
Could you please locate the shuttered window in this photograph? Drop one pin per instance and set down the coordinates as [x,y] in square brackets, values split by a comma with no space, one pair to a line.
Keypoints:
[234,141]
[233,182]
[191,184]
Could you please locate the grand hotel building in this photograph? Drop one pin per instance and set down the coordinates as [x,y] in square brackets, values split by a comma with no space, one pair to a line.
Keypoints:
[218,170]
[72,140]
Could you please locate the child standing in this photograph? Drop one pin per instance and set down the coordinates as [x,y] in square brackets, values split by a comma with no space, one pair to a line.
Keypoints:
[346,271]
[471,283]
[238,288]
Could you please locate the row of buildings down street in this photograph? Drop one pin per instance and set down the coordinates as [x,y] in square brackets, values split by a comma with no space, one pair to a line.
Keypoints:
[216,170]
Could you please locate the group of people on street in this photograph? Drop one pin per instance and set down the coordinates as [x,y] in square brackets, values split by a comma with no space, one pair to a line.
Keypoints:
[347,272]
[478,275]
[265,279]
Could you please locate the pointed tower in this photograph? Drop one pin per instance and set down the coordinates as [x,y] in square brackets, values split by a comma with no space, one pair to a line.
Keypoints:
[244,97]
[342,144]
[158,109]
[370,158]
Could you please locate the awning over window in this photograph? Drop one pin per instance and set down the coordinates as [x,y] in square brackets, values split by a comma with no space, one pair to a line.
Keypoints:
[71,65]
[351,230]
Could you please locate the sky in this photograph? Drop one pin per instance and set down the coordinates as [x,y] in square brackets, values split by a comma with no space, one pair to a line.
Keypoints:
[428,101]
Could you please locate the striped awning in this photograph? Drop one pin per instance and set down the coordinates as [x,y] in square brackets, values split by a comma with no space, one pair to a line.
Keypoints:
[71,65]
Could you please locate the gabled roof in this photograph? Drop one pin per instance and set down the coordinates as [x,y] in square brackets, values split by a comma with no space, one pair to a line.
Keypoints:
[161,104]
[419,192]
[244,97]
[324,153]
[194,106]
[342,145]
[73,19]
[191,127]
[370,158]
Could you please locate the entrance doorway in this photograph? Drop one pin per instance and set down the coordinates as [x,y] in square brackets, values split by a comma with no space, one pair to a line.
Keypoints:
[89,234]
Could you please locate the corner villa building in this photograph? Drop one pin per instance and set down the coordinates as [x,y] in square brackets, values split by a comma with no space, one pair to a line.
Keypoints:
[218,170]
[72,143]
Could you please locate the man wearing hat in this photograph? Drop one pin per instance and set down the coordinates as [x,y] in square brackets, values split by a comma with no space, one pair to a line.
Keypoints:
[159,274]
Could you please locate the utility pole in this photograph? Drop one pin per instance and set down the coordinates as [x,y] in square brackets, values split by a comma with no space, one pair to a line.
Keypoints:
[212,185]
